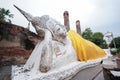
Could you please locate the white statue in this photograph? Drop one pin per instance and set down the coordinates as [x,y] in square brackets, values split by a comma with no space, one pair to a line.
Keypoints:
[54,57]
[54,50]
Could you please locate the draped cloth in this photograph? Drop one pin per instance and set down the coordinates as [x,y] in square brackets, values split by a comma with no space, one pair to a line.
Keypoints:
[85,49]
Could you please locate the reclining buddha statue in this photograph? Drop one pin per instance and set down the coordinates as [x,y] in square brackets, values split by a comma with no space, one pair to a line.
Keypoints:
[57,49]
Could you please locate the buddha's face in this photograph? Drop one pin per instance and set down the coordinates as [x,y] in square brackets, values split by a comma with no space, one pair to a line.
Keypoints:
[59,31]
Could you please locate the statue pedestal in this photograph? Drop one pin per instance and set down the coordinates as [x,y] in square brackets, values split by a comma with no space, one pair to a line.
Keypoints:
[63,73]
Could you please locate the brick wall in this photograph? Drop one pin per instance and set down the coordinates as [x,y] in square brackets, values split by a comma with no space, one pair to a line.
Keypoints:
[16,44]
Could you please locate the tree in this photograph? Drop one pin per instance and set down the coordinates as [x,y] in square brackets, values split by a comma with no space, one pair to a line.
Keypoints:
[97,38]
[87,34]
[117,42]
[4,13]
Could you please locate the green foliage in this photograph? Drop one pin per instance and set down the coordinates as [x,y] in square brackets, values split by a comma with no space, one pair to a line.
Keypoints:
[87,34]
[117,42]
[118,50]
[4,14]
[114,52]
[96,37]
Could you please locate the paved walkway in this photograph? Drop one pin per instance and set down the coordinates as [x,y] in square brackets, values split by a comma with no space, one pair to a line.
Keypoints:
[93,73]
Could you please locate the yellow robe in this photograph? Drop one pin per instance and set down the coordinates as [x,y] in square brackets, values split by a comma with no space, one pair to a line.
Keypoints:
[85,49]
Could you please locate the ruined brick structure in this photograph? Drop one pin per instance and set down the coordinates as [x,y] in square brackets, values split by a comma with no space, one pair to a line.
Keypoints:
[16,43]
[66,20]
[78,27]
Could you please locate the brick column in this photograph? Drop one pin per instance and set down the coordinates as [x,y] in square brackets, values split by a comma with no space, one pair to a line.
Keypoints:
[66,20]
[78,28]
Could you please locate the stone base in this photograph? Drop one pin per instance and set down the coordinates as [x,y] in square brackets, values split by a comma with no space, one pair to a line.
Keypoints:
[63,73]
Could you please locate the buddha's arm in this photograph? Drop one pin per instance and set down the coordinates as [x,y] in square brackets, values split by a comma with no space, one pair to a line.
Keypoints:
[47,54]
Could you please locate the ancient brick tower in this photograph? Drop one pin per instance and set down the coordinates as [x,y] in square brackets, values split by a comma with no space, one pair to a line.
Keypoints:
[78,28]
[66,20]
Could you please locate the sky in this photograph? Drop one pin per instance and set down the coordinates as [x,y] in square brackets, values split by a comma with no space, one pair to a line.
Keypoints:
[98,15]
